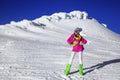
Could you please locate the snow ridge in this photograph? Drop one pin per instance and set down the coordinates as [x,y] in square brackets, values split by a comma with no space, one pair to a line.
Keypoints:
[63,15]
[41,23]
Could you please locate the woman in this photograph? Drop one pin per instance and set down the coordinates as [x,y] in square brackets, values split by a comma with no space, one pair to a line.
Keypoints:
[77,41]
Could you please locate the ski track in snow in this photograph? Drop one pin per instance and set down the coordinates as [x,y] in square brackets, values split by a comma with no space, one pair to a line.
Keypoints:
[31,55]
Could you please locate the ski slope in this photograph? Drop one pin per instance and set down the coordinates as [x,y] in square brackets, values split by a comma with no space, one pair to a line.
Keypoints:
[37,49]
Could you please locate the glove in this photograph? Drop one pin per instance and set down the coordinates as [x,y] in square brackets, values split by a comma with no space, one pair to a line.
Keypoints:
[72,45]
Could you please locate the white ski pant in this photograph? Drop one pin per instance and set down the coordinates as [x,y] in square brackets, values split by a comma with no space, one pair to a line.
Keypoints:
[73,55]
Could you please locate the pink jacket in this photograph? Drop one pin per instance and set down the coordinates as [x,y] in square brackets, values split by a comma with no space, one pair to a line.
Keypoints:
[77,47]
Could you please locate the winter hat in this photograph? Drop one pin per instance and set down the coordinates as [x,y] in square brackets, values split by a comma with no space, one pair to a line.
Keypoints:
[78,30]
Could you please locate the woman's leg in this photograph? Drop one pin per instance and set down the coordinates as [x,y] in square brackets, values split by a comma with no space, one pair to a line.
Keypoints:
[68,67]
[81,64]
[80,57]
[72,57]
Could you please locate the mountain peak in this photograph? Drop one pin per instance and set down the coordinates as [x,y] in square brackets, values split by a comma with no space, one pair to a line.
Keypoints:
[63,15]
[71,15]
[79,14]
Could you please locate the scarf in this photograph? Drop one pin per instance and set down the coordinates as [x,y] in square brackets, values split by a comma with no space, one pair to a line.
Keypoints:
[77,37]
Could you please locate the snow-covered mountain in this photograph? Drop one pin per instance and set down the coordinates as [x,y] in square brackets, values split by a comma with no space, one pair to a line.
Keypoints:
[37,49]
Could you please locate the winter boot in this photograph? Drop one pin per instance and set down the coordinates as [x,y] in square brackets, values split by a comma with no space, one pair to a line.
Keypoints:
[67,69]
[81,70]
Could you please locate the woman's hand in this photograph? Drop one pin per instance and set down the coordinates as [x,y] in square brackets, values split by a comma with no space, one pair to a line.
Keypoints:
[75,42]
[81,44]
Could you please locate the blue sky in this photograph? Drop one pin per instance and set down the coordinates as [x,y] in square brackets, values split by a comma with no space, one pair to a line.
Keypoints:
[105,11]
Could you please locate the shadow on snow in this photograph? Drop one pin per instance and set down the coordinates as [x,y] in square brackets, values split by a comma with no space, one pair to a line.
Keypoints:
[98,66]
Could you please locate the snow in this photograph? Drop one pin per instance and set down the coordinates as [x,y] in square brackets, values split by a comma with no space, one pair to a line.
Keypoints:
[37,49]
